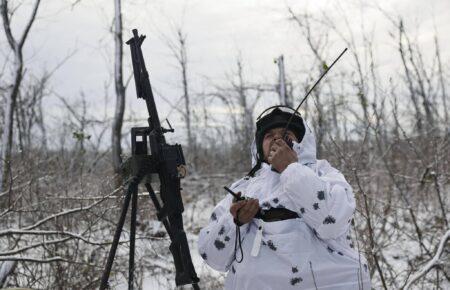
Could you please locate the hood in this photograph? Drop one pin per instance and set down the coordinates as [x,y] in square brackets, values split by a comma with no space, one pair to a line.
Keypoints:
[306,150]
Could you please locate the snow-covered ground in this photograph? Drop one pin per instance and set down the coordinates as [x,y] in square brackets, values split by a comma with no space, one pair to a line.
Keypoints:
[397,243]
[200,194]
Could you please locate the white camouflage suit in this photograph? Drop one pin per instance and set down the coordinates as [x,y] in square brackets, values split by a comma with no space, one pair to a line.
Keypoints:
[314,251]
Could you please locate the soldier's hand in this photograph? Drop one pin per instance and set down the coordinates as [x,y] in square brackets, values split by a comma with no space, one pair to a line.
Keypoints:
[281,155]
[244,210]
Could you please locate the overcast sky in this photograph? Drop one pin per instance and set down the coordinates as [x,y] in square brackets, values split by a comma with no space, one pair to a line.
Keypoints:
[217,32]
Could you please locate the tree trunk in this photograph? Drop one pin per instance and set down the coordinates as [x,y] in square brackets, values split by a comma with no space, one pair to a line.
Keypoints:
[120,90]
[247,111]
[9,123]
[11,99]
[282,91]
[442,82]
[418,113]
[187,105]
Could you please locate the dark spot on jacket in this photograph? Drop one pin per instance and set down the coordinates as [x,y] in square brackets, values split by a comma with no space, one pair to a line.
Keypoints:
[340,253]
[330,250]
[302,210]
[275,200]
[321,195]
[365,267]
[316,206]
[329,220]
[213,216]
[351,245]
[219,244]
[348,237]
[296,280]
[204,256]
[207,232]
[265,204]
[315,232]
[294,269]
[222,230]
[271,245]
[226,239]
[263,243]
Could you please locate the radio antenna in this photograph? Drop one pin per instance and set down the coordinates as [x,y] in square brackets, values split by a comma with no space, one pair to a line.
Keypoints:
[310,90]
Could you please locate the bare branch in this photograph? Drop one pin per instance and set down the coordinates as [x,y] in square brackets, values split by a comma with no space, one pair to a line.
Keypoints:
[7,25]
[29,24]
[432,263]
[33,260]
[71,211]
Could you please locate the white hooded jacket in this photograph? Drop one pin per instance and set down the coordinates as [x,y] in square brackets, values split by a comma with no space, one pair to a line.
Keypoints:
[314,251]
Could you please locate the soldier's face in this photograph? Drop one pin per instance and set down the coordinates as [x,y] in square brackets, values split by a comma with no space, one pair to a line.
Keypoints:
[272,135]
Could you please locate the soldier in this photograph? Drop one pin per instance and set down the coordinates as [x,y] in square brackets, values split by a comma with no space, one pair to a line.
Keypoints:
[293,230]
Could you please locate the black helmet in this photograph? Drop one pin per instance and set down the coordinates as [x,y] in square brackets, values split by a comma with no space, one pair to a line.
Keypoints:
[277,117]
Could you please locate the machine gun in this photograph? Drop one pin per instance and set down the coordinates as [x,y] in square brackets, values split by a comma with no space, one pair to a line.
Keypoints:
[166,161]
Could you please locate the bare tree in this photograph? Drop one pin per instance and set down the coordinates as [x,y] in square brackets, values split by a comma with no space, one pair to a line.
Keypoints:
[178,48]
[441,80]
[119,87]
[16,47]
[398,172]
[418,81]
[285,97]
[29,113]
[245,105]
[241,97]
[317,43]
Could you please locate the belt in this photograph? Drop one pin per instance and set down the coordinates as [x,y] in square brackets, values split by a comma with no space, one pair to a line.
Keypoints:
[276,214]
